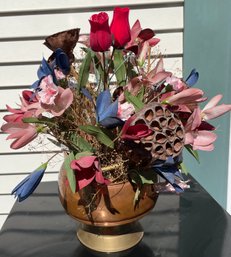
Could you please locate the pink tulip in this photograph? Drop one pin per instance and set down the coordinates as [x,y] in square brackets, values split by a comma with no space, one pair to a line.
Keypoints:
[87,169]
[23,133]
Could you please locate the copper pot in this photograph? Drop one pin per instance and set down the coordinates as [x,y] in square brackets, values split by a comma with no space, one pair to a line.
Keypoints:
[111,226]
[115,203]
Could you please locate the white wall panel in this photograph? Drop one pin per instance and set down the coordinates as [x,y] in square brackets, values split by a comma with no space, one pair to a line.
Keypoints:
[25,5]
[8,182]
[40,144]
[30,51]
[26,163]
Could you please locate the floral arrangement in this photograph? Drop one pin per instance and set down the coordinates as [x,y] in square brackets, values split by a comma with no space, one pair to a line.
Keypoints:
[118,115]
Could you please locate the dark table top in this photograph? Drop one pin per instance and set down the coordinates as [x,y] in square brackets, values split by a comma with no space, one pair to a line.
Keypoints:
[189,225]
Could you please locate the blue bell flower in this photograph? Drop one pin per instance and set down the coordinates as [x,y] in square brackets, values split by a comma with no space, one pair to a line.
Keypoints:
[106,110]
[62,61]
[43,71]
[27,186]
[168,170]
[192,78]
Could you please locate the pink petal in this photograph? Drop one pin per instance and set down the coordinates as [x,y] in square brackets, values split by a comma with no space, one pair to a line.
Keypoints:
[205,138]
[100,179]
[153,41]
[63,100]
[216,111]
[135,30]
[161,76]
[189,138]
[84,162]
[204,148]
[83,182]
[186,96]
[213,102]
[159,68]
[9,109]
[21,132]
[143,53]
[194,120]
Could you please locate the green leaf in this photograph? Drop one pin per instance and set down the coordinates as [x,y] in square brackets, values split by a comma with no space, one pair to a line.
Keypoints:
[70,172]
[43,120]
[97,65]
[135,177]
[84,70]
[136,197]
[147,176]
[82,154]
[131,73]
[138,104]
[184,168]
[80,143]
[99,133]
[194,153]
[140,94]
[119,66]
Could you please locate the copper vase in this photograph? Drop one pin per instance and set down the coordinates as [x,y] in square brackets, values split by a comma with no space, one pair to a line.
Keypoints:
[111,226]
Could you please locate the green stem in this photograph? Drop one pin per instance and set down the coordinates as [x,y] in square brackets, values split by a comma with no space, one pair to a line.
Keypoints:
[104,72]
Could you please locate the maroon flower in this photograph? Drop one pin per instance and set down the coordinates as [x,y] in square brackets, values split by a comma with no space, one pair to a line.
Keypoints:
[100,35]
[134,132]
[120,27]
[87,169]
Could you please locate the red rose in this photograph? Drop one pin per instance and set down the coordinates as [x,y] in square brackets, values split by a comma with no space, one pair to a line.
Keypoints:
[100,35]
[120,27]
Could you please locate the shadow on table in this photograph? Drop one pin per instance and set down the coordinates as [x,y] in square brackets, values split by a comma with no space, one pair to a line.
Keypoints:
[204,226]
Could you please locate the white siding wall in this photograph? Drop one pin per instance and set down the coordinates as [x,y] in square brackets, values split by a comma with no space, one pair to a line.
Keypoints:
[23,26]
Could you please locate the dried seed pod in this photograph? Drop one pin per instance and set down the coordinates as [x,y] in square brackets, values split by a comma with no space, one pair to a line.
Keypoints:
[168,131]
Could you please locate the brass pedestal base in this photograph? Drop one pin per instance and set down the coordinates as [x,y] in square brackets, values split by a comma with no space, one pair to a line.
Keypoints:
[110,239]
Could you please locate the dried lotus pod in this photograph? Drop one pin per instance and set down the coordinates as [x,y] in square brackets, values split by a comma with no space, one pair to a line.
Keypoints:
[168,131]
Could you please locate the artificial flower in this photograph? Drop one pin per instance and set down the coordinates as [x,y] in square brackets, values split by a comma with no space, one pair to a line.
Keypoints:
[23,133]
[200,140]
[27,186]
[187,96]
[62,101]
[62,61]
[192,78]
[120,27]
[134,132]
[139,36]
[212,110]
[100,34]
[47,91]
[87,169]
